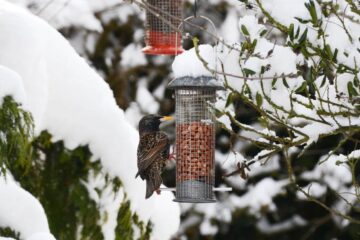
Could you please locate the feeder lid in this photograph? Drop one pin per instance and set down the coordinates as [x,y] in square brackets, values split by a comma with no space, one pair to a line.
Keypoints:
[188,82]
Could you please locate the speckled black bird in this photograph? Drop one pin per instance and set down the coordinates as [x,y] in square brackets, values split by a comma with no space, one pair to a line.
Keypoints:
[153,151]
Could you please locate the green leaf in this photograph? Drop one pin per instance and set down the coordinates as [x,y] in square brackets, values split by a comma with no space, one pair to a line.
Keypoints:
[244,30]
[291,32]
[351,90]
[323,82]
[301,88]
[229,99]
[356,81]
[285,82]
[263,32]
[248,72]
[328,51]
[253,45]
[263,69]
[312,10]
[303,36]
[259,99]
[335,55]
[303,21]
[297,33]
[273,82]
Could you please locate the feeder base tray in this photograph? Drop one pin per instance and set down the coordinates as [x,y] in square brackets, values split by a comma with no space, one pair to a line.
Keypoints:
[191,200]
[193,191]
[163,50]
[160,43]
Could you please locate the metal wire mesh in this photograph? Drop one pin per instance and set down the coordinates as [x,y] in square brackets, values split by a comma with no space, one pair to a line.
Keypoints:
[159,33]
[195,144]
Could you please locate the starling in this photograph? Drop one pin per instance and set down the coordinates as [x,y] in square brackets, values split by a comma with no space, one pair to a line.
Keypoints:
[153,151]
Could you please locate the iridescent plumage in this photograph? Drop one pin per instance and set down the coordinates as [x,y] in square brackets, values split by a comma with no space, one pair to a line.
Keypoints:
[152,153]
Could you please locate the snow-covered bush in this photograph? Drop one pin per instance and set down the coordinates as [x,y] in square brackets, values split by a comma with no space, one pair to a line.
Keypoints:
[73,178]
[298,70]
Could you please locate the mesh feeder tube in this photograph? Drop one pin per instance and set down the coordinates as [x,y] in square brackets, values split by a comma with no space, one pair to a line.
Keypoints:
[195,138]
[162,18]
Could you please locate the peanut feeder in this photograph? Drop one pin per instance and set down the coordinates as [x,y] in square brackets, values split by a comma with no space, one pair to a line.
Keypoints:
[163,17]
[195,138]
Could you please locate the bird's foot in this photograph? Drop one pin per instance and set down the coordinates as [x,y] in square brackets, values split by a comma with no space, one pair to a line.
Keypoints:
[172,156]
[158,191]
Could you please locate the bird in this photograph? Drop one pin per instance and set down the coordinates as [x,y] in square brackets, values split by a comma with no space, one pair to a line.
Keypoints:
[153,151]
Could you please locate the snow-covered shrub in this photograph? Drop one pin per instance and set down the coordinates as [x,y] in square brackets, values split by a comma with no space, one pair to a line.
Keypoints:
[298,71]
[79,183]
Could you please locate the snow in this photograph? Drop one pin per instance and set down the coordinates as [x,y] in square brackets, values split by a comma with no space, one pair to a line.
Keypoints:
[216,211]
[314,130]
[264,226]
[61,12]
[343,44]
[59,84]
[266,166]
[251,22]
[80,13]
[285,11]
[189,64]
[229,58]
[41,236]
[133,114]
[145,99]
[225,120]
[132,56]
[21,211]
[206,228]
[334,175]
[227,28]
[349,194]
[109,203]
[315,190]
[11,85]
[259,196]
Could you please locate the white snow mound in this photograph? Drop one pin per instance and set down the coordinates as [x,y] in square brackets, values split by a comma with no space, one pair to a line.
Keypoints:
[72,102]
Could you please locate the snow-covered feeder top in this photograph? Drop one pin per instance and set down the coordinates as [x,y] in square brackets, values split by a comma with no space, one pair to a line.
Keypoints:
[191,64]
[163,18]
[190,72]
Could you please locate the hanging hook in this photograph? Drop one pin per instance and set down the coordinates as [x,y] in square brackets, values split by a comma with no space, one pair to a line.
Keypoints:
[195,9]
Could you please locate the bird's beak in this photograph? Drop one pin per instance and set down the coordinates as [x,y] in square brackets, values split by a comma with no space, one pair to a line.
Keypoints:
[166,118]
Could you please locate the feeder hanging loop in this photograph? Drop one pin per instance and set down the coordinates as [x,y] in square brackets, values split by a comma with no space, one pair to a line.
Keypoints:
[195,9]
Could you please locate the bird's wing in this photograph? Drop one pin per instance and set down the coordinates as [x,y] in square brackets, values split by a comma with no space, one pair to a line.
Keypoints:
[150,148]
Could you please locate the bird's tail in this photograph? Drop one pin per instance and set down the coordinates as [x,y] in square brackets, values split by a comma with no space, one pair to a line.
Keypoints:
[153,183]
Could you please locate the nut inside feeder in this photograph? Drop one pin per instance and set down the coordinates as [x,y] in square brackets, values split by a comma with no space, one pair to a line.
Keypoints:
[162,19]
[195,138]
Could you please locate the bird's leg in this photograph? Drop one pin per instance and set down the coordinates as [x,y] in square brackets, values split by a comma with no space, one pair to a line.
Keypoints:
[158,191]
[172,155]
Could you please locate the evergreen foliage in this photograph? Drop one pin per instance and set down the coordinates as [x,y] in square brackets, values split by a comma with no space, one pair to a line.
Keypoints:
[7,232]
[57,176]
[15,134]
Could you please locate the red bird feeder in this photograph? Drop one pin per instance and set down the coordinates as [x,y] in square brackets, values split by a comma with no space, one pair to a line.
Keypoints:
[163,17]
